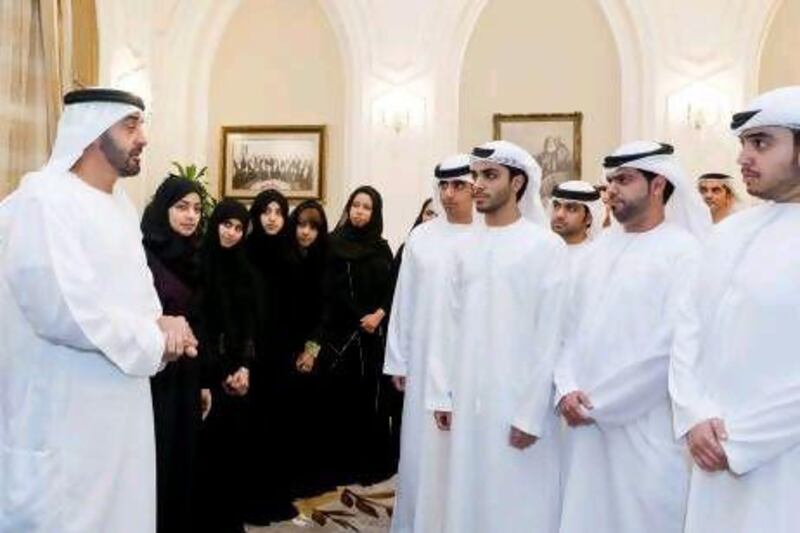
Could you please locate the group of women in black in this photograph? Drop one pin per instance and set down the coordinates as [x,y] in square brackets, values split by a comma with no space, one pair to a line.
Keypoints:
[286,398]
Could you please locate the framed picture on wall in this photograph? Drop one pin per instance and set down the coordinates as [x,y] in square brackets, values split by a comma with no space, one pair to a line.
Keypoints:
[554,139]
[290,159]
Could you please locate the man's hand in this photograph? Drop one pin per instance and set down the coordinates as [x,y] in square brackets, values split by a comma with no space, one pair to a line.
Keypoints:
[305,362]
[371,322]
[205,402]
[519,439]
[444,419]
[705,445]
[238,383]
[178,338]
[573,407]
[399,383]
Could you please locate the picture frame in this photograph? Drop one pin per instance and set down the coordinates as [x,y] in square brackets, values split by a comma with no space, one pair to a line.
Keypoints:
[288,158]
[554,139]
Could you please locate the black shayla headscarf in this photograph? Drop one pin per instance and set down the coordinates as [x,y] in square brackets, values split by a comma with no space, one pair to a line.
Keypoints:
[317,252]
[422,209]
[176,252]
[229,290]
[264,249]
[350,242]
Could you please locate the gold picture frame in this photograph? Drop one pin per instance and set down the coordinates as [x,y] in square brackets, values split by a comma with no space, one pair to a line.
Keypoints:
[288,158]
[554,139]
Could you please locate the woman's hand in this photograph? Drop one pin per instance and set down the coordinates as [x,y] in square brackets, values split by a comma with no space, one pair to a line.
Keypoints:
[238,383]
[371,322]
[205,402]
[305,362]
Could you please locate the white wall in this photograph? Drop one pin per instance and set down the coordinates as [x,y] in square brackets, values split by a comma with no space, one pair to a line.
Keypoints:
[780,64]
[408,55]
[523,58]
[278,63]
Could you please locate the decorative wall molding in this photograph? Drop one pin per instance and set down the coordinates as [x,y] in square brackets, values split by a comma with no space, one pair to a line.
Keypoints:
[414,50]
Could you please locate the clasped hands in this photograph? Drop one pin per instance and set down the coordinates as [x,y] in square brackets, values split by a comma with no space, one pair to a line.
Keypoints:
[238,383]
[179,340]
[574,407]
[705,444]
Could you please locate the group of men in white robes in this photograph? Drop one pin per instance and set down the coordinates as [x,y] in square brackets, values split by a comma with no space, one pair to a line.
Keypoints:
[638,378]
[648,383]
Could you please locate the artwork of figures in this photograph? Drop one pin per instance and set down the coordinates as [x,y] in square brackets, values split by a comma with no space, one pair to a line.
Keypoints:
[554,139]
[287,158]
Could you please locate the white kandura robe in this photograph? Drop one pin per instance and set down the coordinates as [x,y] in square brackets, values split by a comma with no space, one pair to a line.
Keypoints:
[417,334]
[625,473]
[78,341]
[576,259]
[737,359]
[507,290]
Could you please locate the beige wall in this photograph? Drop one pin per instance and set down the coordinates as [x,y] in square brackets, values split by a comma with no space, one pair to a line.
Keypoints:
[278,63]
[780,64]
[521,61]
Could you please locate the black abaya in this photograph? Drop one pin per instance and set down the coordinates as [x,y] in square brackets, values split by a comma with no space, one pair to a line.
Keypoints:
[173,261]
[358,281]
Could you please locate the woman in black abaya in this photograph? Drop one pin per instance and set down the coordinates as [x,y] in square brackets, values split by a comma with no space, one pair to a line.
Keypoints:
[170,235]
[229,314]
[270,415]
[357,298]
[309,436]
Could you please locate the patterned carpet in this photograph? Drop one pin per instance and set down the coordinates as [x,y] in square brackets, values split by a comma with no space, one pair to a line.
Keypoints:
[352,508]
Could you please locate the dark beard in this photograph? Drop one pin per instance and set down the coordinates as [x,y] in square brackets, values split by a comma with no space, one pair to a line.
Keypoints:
[122,161]
[629,211]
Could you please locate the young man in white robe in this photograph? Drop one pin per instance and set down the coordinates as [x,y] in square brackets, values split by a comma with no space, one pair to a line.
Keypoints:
[494,392]
[719,194]
[81,333]
[735,375]
[418,335]
[624,471]
[576,213]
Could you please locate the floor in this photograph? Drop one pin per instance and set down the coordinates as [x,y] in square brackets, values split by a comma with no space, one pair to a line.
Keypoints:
[352,508]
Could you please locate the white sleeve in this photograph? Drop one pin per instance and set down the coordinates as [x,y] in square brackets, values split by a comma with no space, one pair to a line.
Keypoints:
[631,392]
[563,375]
[638,387]
[439,386]
[54,286]
[765,430]
[536,402]
[397,342]
[690,403]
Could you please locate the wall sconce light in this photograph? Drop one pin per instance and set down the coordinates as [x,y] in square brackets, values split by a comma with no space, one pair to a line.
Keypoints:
[399,110]
[396,119]
[697,106]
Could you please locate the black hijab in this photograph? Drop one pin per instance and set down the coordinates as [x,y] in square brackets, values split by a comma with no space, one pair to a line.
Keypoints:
[317,252]
[176,252]
[263,249]
[352,243]
[421,214]
[228,282]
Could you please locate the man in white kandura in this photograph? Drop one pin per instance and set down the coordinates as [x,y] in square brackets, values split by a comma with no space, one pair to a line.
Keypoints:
[719,194]
[624,471]
[507,284]
[417,337]
[735,377]
[81,332]
[576,215]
